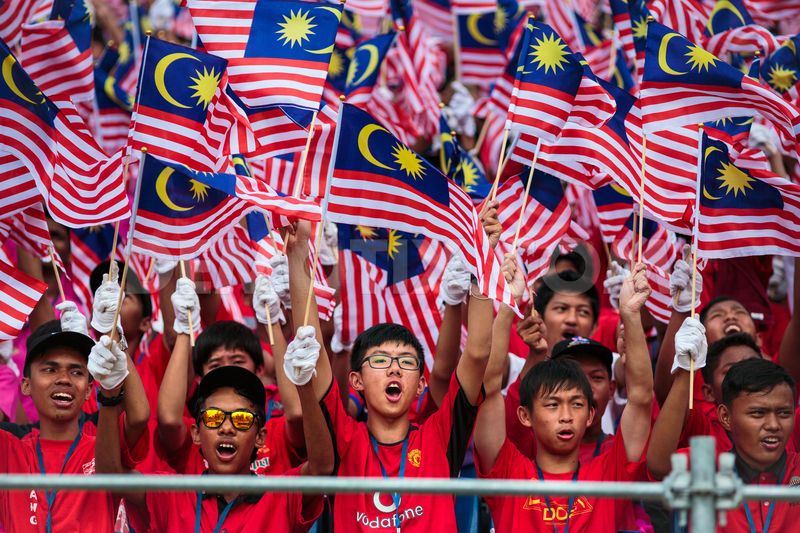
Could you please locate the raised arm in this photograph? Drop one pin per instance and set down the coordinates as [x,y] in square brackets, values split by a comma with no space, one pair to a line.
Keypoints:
[789,354]
[690,343]
[299,287]
[635,421]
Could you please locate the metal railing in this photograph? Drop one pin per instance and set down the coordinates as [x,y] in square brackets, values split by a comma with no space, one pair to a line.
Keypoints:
[704,491]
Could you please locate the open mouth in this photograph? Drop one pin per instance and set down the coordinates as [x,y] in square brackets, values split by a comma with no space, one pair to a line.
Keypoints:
[565,435]
[226,451]
[772,443]
[731,329]
[569,334]
[62,399]
[394,391]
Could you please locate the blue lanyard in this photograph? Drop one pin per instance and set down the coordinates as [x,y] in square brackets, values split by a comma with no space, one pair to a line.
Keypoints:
[220,520]
[547,498]
[598,445]
[400,474]
[770,511]
[50,495]
[269,410]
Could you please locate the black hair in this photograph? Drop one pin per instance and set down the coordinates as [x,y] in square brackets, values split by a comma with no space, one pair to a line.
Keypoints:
[380,334]
[553,375]
[132,285]
[712,303]
[570,282]
[575,259]
[717,348]
[226,334]
[754,375]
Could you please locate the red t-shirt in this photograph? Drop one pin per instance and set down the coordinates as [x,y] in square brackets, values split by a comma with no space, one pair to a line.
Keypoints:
[532,513]
[436,449]
[22,511]
[275,458]
[273,511]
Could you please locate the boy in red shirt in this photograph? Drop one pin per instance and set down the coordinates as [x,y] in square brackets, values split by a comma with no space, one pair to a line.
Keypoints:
[556,399]
[757,411]
[229,430]
[386,369]
[57,378]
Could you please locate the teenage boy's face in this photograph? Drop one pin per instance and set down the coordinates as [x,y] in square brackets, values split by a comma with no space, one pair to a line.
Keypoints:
[560,419]
[760,424]
[602,385]
[58,384]
[227,357]
[726,318]
[566,316]
[388,392]
[130,315]
[226,449]
[728,358]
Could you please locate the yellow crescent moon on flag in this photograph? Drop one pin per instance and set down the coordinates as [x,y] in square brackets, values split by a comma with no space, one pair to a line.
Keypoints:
[472,28]
[161,70]
[745,122]
[363,144]
[444,138]
[161,190]
[662,56]
[722,5]
[240,161]
[327,49]
[619,189]
[708,196]
[8,64]
[108,87]
[372,50]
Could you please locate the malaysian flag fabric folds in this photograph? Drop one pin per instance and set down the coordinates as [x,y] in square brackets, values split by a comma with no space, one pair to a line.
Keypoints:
[13,14]
[364,67]
[277,50]
[781,70]
[744,212]
[458,165]
[614,207]
[19,294]
[731,29]
[685,84]
[385,183]
[553,86]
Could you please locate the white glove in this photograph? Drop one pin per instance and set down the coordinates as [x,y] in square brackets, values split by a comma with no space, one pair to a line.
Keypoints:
[459,110]
[300,361]
[162,15]
[263,296]
[778,286]
[690,343]
[280,278]
[615,276]
[164,265]
[6,351]
[329,247]
[108,364]
[680,286]
[764,138]
[184,303]
[106,298]
[72,319]
[455,282]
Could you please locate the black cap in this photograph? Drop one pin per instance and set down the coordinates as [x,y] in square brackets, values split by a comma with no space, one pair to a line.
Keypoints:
[132,284]
[578,346]
[245,382]
[50,335]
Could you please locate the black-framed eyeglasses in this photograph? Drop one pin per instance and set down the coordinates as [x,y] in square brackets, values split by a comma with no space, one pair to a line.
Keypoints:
[213,418]
[381,361]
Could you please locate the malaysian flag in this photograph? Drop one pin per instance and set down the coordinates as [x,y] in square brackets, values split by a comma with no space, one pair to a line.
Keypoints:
[277,50]
[546,221]
[89,247]
[57,53]
[744,212]
[458,165]
[685,84]
[435,15]
[781,70]
[553,86]
[13,14]
[19,294]
[80,184]
[625,26]
[614,207]
[386,184]
[16,192]
[181,112]
[390,276]
[229,261]
[113,112]
[687,17]
[364,67]
[768,12]
[731,29]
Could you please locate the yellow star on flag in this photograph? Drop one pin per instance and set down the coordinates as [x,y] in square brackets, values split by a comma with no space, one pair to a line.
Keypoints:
[409,162]
[734,179]
[296,28]
[550,53]
[205,85]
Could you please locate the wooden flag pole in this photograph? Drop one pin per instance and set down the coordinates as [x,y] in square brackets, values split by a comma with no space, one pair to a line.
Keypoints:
[526,195]
[694,249]
[633,241]
[456,49]
[57,273]
[191,324]
[499,164]
[641,197]
[298,185]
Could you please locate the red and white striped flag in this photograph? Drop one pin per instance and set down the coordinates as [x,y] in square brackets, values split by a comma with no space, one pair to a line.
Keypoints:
[13,14]
[19,294]
[229,261]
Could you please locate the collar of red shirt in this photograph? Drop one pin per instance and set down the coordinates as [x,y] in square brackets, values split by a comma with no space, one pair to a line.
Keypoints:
[771,475]
[242,498]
